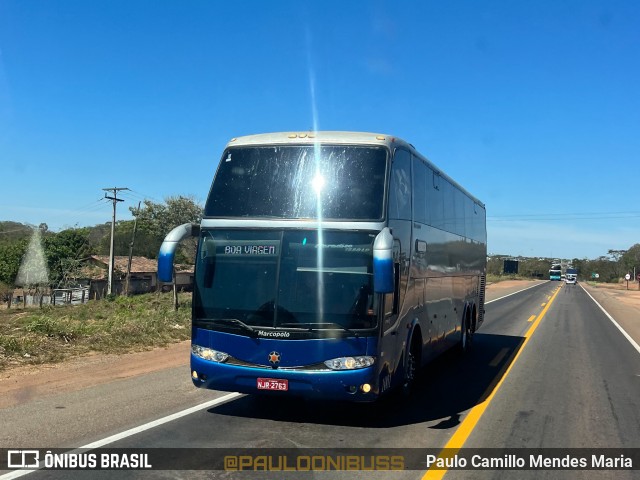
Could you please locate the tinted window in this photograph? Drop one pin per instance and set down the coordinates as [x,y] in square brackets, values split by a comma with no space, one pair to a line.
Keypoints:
[449,205]
[236,274]
[400,186]
[419,191]
[435,202]
[331,182]
[460,199]
[471,219]
[250,275]
[482,223]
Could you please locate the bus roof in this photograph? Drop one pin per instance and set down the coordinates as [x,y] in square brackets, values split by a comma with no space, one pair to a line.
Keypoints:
[339,137]
[297,138]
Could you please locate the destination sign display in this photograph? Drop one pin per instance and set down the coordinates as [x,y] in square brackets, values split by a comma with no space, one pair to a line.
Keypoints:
[248,247]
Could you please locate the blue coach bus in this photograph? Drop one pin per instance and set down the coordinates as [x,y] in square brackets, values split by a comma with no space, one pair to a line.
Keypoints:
[330,265]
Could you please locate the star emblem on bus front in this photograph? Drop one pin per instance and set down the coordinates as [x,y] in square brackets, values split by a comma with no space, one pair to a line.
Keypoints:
[274,359]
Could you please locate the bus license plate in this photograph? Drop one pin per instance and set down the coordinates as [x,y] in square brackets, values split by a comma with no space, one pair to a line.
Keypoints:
[273,384]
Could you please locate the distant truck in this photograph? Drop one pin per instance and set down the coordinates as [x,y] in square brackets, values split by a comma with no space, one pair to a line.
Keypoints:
[571,276]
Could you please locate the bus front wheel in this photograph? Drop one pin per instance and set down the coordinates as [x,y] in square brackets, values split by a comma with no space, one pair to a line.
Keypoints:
[412,364]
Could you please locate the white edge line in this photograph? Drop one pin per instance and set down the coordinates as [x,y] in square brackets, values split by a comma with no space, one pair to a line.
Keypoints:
[532,286]
[132,431]
[622,330]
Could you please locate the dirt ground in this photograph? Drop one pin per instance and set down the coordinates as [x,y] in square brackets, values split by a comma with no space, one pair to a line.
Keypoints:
[619,291]
[19,384]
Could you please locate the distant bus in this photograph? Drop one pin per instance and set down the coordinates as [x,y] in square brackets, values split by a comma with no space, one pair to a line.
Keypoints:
[330,265]
[571,275]
[555,272]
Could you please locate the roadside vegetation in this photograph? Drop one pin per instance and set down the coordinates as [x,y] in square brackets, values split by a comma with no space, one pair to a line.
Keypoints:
[116,325]
[611,268]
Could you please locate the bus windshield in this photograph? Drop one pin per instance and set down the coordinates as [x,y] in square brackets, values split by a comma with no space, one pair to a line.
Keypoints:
[285,279]
[299,181]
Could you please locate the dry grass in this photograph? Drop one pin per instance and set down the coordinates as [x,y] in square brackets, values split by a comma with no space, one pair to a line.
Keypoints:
[124,324]
[615,286]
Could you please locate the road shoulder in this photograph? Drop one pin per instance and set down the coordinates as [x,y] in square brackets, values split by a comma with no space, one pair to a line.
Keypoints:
[21,384]
[622,305]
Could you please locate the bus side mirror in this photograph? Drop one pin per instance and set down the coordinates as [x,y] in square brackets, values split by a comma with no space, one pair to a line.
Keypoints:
[383,275]
[169,247]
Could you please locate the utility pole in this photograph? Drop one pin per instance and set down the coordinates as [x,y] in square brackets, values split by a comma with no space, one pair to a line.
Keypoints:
[115,200]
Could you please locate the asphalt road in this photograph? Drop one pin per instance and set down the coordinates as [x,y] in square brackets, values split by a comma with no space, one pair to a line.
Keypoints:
[548,369]
[576,385]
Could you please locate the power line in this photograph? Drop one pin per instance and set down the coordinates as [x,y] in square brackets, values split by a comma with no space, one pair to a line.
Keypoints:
[143,196]
[101,205]
[101,202]
[132,194]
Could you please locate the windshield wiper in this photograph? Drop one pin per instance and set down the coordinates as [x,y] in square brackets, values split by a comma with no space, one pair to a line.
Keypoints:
[235,322]
[311,326]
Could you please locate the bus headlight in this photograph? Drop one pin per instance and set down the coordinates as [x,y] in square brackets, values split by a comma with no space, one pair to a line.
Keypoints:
[209,354]
[350,363]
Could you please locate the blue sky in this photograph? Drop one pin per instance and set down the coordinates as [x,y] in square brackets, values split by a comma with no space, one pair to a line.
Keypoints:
[534,107]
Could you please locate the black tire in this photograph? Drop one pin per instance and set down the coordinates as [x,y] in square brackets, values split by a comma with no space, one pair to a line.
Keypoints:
[466,336]
[411,366]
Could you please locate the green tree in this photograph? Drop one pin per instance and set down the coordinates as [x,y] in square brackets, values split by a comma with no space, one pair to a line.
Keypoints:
[95,236]
[162,218]
[606,268]
[146,244]
[5,291]
[616,256]
[159,219]
[630,260]
[11,254]
[71,271]
[67,245]
[534,268]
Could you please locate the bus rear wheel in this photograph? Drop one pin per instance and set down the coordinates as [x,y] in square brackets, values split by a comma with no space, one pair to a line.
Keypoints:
[465,335]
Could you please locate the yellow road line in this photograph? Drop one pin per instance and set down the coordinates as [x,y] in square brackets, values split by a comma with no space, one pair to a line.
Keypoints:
[531,318]
[542,305]
[473,417]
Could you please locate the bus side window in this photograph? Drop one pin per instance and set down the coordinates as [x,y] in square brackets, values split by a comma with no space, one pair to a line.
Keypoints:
[400,186]
[449,196]
[460,214]
[470,218]
[419,191]
[435,200]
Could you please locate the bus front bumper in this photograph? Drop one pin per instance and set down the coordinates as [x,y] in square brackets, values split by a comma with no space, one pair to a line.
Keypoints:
[358,385]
